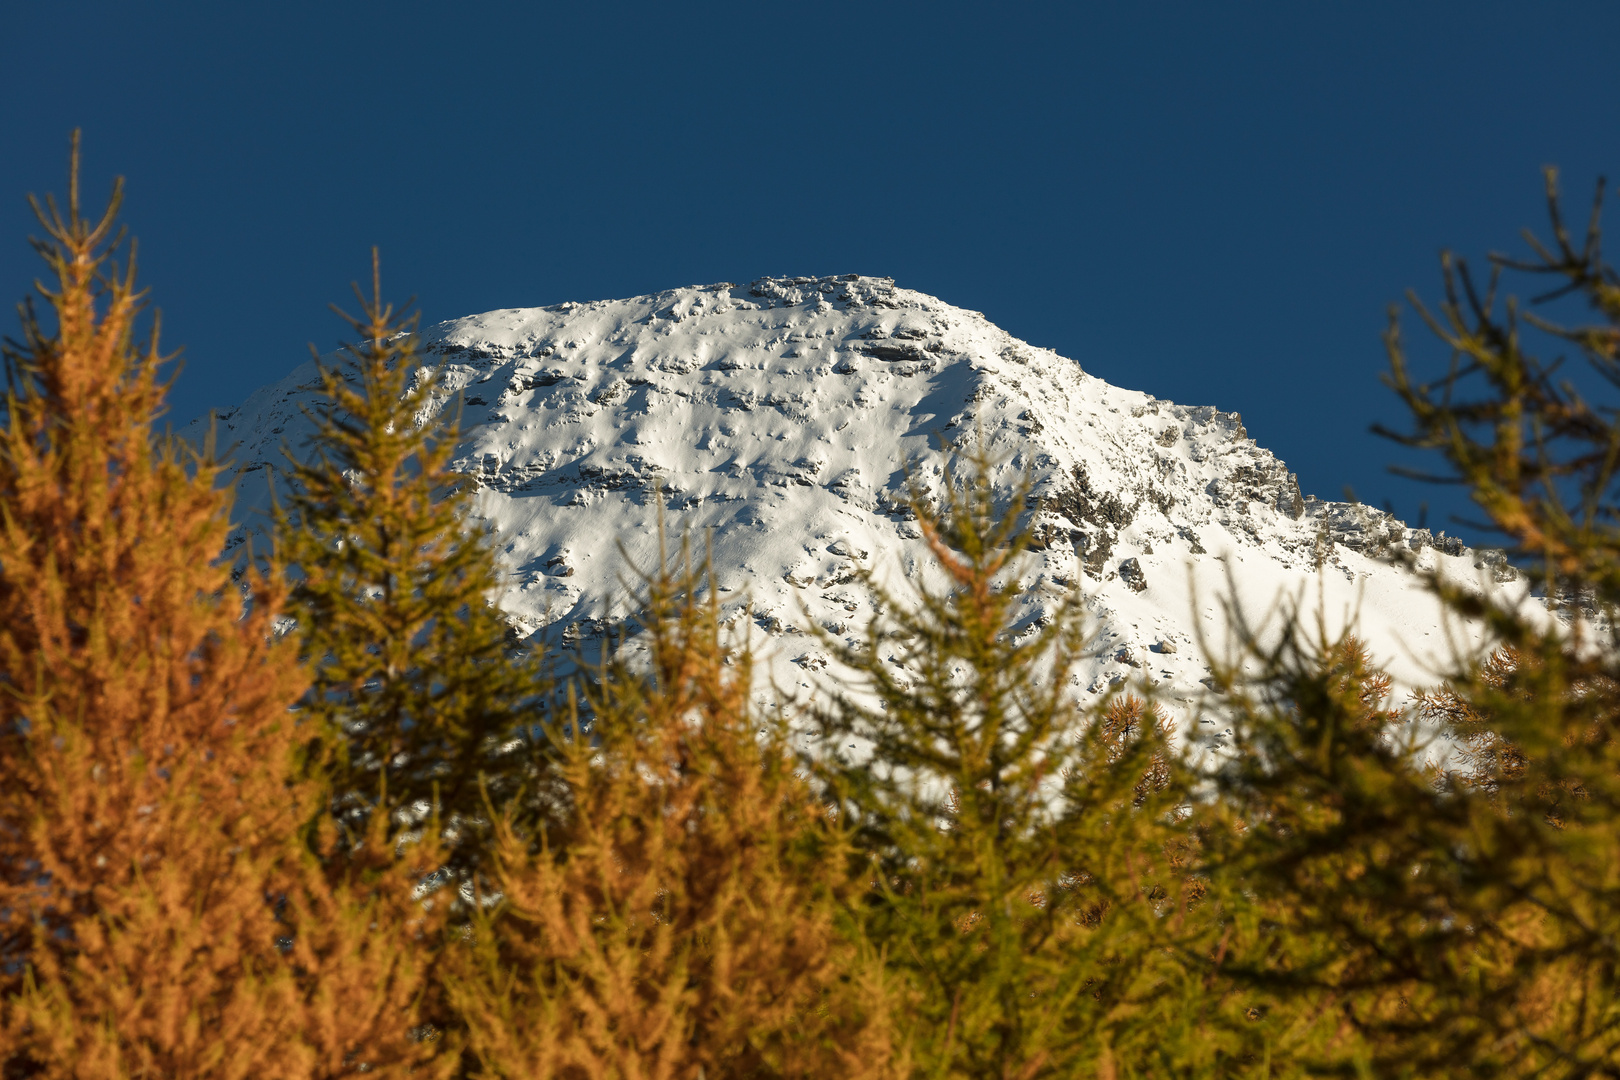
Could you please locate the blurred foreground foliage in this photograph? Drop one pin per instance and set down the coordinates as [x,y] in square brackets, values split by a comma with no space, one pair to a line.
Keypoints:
[317,814]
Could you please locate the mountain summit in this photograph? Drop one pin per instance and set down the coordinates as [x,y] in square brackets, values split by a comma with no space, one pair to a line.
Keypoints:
[781,420]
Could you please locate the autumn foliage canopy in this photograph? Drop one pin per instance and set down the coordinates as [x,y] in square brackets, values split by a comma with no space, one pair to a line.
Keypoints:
[313,811]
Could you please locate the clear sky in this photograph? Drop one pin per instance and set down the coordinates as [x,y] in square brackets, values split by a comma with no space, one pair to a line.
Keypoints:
[1212,202]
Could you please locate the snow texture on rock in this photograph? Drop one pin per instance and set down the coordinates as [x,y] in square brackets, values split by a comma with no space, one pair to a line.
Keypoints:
[781,420]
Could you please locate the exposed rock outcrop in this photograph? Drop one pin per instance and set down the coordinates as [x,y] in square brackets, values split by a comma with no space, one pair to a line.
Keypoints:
[789,421]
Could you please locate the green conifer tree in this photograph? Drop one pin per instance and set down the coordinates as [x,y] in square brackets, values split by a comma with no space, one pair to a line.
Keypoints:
[421,704]
[1435,889]
[1029,864]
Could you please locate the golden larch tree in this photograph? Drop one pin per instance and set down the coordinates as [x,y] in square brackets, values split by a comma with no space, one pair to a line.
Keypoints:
[162,912]
[680,921]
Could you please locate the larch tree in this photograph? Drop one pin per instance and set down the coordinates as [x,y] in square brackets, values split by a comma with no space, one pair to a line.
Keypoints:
[1031,875]
[161,912]
[680,921]
[1435,888]
[423,707]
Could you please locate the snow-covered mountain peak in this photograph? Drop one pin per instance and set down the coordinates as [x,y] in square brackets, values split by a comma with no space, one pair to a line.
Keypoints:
[781,420]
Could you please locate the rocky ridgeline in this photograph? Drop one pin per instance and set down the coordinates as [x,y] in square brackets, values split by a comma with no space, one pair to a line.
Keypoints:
[785,423]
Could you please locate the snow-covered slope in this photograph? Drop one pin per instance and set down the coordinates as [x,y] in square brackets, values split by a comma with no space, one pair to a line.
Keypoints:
[780,418]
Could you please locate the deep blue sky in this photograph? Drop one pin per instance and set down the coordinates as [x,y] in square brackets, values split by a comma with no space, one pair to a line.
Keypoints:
[1211,202]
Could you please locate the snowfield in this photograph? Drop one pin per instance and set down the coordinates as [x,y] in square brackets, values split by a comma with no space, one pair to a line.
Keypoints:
[779,420]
